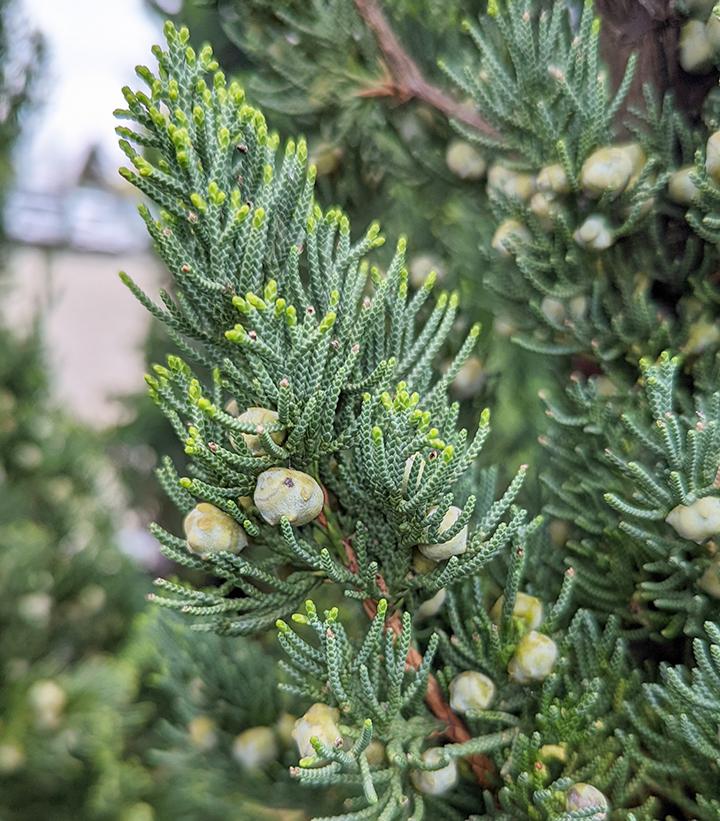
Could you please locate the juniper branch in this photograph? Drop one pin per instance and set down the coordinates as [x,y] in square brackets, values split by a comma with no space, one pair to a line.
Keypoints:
[406,81]
[456,730]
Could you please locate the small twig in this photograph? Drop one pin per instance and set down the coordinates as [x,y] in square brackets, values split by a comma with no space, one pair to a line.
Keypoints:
[455,728]
[404,80]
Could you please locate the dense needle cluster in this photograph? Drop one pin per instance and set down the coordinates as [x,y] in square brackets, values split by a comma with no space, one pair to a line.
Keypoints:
[451,656]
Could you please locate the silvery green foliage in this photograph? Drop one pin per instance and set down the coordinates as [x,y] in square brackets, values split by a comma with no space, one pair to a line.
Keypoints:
[563,105]
[548,734]
[273,296]
[209,693]
[538,79]
[621,464]
[676,724]
[379,700]
[274,305]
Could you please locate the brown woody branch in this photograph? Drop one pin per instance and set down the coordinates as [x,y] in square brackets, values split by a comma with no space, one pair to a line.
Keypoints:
[650,29]
[404,80]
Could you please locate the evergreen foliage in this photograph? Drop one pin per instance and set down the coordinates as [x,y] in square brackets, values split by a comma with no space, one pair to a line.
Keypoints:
[217,744]
[345,371]
[327,460]
[374,158]
[641,457]
[66,700]
[679,718]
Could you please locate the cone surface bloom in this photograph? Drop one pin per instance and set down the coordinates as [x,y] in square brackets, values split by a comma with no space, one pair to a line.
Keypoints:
[508,235]
[432,606]
[712,156]
[595,233]
[286,492]
[210,530]
[203,732]
[422,265]
[553,309]
[375,753]
[696,49]
[527,609]
[709,582]
[261,417]
[284,727]
[552,179]
[471,691]
[11,758]
[48,700]
[698,521]
[545,209]
[681,189]
[435,782]
[469,378]
[702,335]
[35,608]
[584,796]
[255,747]
[320,721]
[534,658]
[511,183]
[454,547]
[610,169]
[465,161]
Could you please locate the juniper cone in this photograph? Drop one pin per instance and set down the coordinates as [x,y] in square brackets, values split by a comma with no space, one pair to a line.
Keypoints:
[605,291]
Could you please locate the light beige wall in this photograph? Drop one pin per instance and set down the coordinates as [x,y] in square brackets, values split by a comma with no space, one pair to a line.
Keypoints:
[94,327]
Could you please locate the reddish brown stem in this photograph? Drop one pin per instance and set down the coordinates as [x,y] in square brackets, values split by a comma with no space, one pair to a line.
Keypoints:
[455,729]
[404,80]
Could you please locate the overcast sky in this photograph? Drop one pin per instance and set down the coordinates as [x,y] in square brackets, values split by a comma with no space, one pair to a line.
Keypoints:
[92,47]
